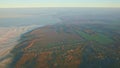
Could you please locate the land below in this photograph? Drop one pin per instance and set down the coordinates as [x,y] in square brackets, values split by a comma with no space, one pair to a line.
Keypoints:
[69,45]
[70,38]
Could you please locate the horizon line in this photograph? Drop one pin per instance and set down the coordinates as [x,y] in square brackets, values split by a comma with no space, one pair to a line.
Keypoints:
[53,7]
[39,5]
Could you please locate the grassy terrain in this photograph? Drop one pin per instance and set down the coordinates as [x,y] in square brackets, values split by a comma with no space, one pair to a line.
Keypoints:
[97,37]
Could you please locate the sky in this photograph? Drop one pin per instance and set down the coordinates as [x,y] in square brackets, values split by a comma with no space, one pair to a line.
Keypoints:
[58,3]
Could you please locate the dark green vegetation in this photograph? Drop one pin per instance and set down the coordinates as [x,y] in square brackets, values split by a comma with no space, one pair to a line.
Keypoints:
[69,45]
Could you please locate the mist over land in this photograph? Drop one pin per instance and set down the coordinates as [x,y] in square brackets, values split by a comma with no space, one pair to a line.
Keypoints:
[85,35]
[9,37]
[41,16]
